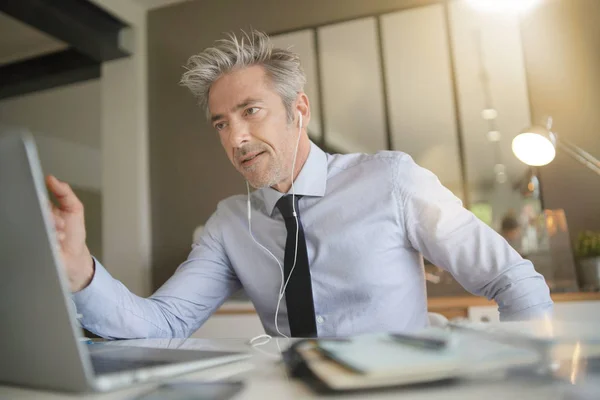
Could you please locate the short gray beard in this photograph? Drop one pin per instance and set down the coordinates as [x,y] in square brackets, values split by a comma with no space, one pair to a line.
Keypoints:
[274,176]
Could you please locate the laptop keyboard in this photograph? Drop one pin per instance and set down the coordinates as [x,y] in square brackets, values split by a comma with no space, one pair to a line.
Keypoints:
[108,359]
[107,365]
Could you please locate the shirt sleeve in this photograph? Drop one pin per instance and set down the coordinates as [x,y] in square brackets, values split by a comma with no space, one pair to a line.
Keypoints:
[454,239]
[196,289]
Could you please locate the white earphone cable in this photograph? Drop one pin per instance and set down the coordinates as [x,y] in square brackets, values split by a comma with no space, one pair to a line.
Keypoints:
[295,214]
[283,285]
[280,295]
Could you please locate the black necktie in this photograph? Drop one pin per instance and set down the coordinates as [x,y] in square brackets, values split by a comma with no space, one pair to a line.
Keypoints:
[298,294]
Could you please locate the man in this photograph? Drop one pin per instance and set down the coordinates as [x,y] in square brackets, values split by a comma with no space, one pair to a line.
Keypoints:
[345,249]
[510,229]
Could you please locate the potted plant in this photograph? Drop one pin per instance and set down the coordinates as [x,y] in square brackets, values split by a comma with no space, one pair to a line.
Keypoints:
[587,250]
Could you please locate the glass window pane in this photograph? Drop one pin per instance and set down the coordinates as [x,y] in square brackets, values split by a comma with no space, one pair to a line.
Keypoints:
[419,87]
[303,44]
[352,88]
[490,75]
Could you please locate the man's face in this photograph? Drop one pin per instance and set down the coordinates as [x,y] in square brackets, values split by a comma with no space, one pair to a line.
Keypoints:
[252,123]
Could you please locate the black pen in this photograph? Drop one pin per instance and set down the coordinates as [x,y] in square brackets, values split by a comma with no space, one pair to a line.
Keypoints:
[421,342]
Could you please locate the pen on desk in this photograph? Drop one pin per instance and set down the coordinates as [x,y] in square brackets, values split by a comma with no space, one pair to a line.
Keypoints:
[420,342]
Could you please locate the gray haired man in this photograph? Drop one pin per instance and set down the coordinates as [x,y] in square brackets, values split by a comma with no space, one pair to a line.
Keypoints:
[328,245]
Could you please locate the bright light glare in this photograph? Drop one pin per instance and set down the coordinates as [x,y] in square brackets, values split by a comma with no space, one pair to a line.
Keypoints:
[533,149]
[508,6]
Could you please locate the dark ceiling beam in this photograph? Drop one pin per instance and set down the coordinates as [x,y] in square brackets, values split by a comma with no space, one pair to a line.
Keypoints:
[46,72]
[82,25]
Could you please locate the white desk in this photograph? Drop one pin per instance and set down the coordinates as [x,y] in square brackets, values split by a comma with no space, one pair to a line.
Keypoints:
[266,378]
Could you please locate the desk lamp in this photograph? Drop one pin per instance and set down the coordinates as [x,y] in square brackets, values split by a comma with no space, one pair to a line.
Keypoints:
[536,146]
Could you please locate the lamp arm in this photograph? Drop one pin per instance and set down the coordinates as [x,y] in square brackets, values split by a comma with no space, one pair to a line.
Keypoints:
[580,155]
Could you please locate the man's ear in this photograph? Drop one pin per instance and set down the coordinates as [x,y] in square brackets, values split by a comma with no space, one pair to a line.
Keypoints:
[303,107]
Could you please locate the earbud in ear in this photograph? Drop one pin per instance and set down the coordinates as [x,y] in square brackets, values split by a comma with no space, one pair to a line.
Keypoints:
[299,119]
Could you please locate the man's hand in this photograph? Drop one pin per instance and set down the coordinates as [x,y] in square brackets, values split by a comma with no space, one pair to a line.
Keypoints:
[70,231]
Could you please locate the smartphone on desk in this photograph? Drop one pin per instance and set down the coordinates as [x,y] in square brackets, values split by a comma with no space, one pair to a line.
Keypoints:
[193,391]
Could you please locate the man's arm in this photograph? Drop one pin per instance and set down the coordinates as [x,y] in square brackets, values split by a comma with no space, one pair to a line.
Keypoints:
[198,287]
[177,309]
[477,257]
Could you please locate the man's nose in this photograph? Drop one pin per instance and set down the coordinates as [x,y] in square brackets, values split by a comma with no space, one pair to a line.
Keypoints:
[240,133]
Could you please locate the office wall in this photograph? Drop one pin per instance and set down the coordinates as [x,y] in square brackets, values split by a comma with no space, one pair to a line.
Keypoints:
[189,171]
[65,122]
[124,139]
[79,165]
[71,112]
[92,201]
[108,114]
[561,39]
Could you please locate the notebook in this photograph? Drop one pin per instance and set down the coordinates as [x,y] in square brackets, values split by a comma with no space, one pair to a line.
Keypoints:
[380,361]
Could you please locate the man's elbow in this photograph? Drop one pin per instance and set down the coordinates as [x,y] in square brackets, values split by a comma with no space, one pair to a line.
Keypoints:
[525,298]
[535,312]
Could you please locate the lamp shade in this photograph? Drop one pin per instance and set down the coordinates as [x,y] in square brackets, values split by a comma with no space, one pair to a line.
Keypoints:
[534,146]
[507,6]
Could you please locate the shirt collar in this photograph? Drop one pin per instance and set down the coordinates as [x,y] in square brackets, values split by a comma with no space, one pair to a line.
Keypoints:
[311,181]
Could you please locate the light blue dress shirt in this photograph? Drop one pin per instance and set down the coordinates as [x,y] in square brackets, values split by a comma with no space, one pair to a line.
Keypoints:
[367,220]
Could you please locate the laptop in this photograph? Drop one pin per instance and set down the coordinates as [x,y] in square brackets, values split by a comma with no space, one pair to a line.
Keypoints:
[40,342]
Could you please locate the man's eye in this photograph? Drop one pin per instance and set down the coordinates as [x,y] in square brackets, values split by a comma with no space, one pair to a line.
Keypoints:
[220,126]
[252,110]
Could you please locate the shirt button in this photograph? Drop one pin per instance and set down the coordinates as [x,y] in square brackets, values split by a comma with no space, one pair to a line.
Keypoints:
[320,319]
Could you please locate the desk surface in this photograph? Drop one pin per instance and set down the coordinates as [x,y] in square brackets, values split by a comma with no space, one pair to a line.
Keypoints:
[266,378]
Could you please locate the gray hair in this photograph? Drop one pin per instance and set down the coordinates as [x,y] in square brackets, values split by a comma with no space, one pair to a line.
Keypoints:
[282,67]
